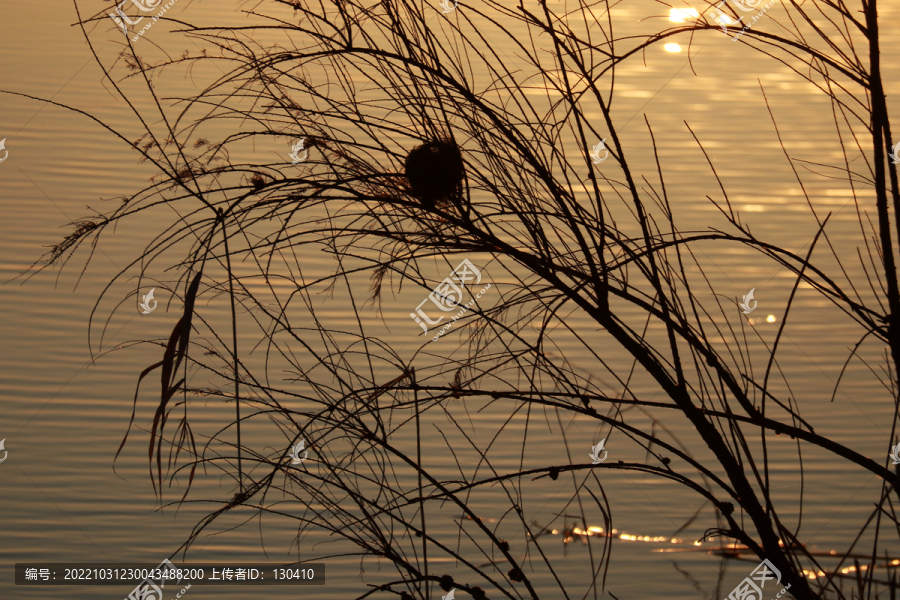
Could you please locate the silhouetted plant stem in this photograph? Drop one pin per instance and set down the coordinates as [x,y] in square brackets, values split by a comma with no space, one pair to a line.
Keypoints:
[234,351]
[415,388]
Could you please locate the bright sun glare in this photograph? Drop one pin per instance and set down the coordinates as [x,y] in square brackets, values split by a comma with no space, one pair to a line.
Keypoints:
[680,15]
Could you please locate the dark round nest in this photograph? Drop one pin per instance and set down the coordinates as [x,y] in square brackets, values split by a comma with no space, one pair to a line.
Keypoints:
[435,171]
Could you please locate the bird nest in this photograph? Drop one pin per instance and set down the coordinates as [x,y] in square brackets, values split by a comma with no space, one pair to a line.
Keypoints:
[435,171]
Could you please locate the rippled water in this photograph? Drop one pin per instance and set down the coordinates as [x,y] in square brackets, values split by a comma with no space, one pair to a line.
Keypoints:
[65,412]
